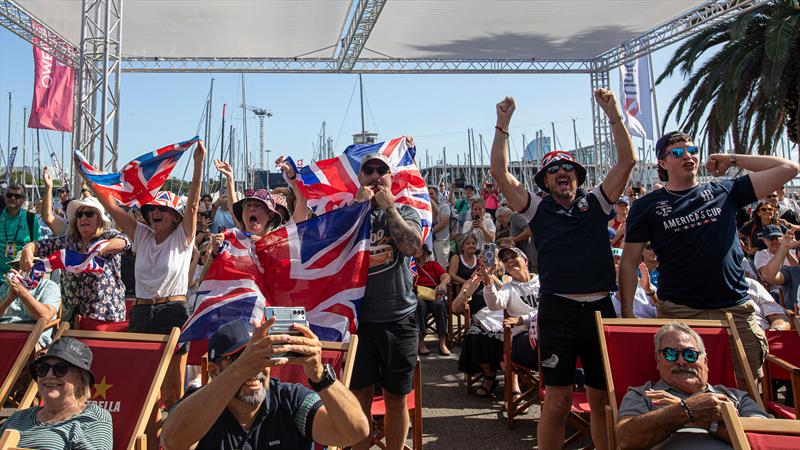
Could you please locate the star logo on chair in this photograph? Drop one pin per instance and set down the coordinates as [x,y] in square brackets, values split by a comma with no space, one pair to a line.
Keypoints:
[101,388]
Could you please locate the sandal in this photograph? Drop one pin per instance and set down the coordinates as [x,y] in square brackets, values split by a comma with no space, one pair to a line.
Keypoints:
[515,395]
[484,392]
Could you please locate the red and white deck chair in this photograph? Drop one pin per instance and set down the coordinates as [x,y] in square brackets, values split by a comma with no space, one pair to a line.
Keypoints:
[17,345]
[414,406]
[760,434]
[629,357]
[129,369]
[782,364]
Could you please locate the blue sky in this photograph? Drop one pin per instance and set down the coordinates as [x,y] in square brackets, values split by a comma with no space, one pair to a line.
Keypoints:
[159,109]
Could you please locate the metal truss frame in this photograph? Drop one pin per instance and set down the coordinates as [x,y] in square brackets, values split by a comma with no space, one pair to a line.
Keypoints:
[18,20]
[365,18]
[97,125]
[603,144]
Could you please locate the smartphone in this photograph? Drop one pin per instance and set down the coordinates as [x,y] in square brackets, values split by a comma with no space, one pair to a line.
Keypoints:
[285,316]
[489,254]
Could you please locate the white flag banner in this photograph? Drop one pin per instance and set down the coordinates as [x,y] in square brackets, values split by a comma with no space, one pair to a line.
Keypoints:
[638,119]
[646,98]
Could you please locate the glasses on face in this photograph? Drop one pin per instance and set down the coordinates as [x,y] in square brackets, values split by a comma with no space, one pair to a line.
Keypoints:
[88,214]
[690,355]
[161,208]
[13,196]
[773,238]
[772,196]
[679,151]
[59,369]
[552,170]
[382,170]
[766,210]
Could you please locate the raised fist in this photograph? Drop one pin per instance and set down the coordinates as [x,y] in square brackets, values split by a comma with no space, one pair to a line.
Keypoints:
[505,109]
[608,101]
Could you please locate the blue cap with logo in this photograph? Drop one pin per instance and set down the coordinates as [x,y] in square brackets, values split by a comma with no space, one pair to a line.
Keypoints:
[229,339]
[770,231]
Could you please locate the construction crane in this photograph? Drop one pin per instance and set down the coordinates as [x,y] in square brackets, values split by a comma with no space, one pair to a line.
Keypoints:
[261,113]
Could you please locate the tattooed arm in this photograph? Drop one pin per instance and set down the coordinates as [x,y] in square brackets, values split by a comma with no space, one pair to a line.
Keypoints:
[405,233]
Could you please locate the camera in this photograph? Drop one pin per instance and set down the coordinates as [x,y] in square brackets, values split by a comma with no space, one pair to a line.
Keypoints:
[285,316]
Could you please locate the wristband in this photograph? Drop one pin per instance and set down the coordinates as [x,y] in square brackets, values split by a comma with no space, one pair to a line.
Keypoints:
[687,410]
[497,127]
[612,122]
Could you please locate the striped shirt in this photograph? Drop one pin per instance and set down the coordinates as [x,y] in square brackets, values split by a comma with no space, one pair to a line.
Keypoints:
[89,429]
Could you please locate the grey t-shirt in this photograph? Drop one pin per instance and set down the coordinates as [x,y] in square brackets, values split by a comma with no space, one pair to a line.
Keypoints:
[791,276]
[389,295]
[444,213]
[635,403]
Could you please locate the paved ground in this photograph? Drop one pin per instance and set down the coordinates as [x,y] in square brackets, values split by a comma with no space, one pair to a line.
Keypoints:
[453,419]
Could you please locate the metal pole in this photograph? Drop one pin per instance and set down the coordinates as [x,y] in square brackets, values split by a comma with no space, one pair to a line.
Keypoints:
[653,96]
[24,150]
[575,134]
[63,161]
[38,161]
[553,126]
[222,143]
[8,139]
[209,130]
[361,94]
[244,134]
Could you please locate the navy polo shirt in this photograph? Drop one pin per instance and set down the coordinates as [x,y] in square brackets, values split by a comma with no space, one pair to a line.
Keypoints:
[694,236]
[284,421]
[574,253]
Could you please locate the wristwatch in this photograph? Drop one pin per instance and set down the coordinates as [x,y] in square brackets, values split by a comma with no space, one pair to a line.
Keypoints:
[713,427]
[328,378]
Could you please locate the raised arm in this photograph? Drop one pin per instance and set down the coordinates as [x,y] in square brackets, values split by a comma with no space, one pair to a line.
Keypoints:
[628,263]
[125,221]
[768,173]
[300,213]
[617,178]
[46,208]
[515,193]
[189,223]
[227,171]
[771,273]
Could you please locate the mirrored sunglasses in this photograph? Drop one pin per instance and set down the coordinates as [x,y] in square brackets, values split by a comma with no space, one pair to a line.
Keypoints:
[690,355]
[679,151]
[568,167]
[382,170]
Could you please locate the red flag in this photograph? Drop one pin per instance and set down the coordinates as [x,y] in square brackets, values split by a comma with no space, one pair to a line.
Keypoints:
[52,90]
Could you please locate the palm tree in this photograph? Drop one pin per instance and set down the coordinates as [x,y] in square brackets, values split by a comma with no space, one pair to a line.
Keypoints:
[750,86]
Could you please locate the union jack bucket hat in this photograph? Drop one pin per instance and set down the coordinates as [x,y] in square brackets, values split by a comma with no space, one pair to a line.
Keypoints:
[557,157]
[164,198]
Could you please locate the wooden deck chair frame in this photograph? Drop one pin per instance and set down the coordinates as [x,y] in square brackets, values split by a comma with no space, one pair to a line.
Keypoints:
[23,357]
[738,426]
[739,355]
[138,439]
[9,440]
[416,416]
[527,377]
[794,377]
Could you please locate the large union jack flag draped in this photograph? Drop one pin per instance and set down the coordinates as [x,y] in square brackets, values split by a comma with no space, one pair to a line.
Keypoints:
[320,264]
[140,180]
[68,260]
[230,289]
[331,183]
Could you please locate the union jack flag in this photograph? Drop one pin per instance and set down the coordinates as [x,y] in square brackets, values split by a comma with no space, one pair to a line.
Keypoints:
[331,183]
[320,264]
[230,289]
[141,179]
[68,260]
[412,264]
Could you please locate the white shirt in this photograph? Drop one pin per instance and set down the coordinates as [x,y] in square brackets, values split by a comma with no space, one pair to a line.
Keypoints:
[161,270]
[643,308]
[519,299]
[487,223]
[765,304]
[762,258]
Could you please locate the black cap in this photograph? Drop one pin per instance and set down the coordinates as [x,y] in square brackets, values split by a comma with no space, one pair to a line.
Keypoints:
[770,231]
[506,250]
[663,141]
[70,350]
[229,339]
[63,188]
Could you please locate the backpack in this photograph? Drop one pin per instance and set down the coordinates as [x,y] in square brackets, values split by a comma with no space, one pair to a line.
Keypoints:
[30,218]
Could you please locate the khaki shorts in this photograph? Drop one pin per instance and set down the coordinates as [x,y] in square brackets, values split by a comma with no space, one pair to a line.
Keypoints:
[753,338]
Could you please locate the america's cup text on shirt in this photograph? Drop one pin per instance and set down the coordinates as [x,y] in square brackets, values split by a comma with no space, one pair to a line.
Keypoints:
[692,220]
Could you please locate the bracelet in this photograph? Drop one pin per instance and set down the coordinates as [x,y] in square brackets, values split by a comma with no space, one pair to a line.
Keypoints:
[687,410]
[733,160]
[497,127]
[612,122]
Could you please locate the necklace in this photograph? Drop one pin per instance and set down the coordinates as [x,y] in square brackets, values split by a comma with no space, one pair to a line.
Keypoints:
[680,195]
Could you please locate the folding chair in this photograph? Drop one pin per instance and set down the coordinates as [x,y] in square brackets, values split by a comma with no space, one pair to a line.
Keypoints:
[528,377]
[457,324]
[129,369]
[89,324]
[9,440]
[760,434]
[578,416]
[782,364]
[629,357]
[198,356]
[17,345]
[414,406]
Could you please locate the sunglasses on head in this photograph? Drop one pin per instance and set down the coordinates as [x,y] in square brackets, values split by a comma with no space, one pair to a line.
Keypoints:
[568,167]
[88,214]
[59,369]
[690,355]
[679,151]
[11,195]
[382,170]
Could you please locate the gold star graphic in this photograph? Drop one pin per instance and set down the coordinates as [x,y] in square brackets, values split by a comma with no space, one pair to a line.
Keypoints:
[101,388]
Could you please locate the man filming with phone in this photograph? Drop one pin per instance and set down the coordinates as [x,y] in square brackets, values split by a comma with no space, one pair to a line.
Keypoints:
[481,223]
[244,408]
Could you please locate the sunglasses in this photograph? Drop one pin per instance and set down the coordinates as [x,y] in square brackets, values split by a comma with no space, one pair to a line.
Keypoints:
[11,195]
[772,238]
[772,196]
[679,151]
[382,170]
[87,214]
[690,355]
[552,170]
[161,208]
[766,209]
[59,369]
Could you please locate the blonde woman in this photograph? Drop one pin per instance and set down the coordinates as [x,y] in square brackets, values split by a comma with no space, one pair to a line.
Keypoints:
[64,419]
[96,296]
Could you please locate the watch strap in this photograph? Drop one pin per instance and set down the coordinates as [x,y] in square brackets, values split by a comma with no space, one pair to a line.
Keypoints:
[328,378]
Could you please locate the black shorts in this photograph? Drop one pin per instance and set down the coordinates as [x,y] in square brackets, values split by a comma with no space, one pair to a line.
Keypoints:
[387,354]
[567,331]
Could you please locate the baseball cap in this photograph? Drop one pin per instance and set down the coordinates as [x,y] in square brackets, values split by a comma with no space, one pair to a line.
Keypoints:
[63,188]
[370,156]
[663,142]
[625,199]
[770,231]
[229,339]
[70,350]
[503,252]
